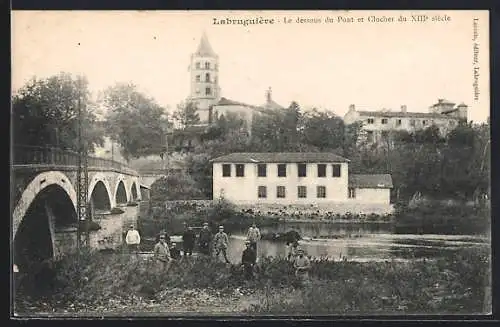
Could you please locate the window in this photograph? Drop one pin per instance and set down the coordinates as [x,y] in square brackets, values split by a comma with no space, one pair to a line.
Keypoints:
[226,170]
[262,192]
[280,191]
[384,121]
[398,122]
[369,136]
[336,170]
[385,134]
[198,65]
[412,122]
[240,170]
[207,77]
[207,65]
[371,120]
[352,193]
[424,122]
[321,191]
[302,172]
[262,170]
[321,170]
[281,170]
[301,191]
[208,91]
[197,78]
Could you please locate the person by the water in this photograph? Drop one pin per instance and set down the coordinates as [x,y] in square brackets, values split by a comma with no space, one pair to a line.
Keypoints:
[302,266]
[253,236]
[205,239]
[248,260]
[220,243]
[188,240]
[133,239]
[162,254]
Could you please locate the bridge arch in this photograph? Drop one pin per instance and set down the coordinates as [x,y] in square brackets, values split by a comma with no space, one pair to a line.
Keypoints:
[134,191]
[48,207]
[100,192]
[38,184]
[121,194]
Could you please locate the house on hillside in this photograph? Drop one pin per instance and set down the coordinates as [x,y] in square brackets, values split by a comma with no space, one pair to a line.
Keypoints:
[302,179]
[377,125]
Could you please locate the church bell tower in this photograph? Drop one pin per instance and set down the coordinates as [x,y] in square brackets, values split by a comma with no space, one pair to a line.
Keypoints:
[204,77]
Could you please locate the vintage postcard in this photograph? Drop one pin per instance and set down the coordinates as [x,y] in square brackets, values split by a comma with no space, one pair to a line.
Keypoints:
[246,163]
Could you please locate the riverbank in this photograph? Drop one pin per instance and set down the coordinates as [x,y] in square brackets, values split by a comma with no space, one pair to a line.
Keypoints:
[107,284]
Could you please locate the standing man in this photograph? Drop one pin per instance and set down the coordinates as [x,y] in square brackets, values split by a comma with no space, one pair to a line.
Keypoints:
[205,239]
[302,266]
[221,241]
[248,260]
[133,239]
[188,239]
[162,254]
[253,236]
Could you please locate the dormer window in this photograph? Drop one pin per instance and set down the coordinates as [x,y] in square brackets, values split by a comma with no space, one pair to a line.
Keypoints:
[384,121]
[370,120]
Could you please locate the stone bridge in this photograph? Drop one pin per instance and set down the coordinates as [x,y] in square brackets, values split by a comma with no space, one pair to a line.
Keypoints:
[44,198]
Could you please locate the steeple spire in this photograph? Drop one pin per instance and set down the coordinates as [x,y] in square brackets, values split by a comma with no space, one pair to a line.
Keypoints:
[204,48]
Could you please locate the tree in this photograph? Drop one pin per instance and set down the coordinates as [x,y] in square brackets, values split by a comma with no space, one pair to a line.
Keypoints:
[45,112]
[177,186]
[135,121]
[324,129]
[186,114]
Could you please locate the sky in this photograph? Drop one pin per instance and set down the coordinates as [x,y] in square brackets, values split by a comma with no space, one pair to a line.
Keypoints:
[373,65]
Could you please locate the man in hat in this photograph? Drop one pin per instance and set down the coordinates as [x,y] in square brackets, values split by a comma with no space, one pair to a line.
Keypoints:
[253,236]
[188,239]
[248,260]
[162,254]
[133,239]
[205,239]
[220,243]
[302,266]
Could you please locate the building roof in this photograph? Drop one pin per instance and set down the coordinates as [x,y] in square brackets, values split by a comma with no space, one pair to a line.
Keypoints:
[271,104]
[228,102]
[443,101]
[280,157]
[401,114]
[370,181]
[204,48]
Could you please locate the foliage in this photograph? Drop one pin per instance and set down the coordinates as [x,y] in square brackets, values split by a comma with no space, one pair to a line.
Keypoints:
[136,121]
[454,284]
[45,113]
[174,186]
[186,115]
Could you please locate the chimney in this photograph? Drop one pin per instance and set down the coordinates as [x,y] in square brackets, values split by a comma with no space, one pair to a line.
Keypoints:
[352,107]
[403,108]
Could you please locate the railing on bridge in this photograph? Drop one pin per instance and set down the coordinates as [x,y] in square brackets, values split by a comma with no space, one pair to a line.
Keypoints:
[29,155]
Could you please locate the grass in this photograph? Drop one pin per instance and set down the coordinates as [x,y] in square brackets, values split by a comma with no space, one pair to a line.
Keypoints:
[95,281]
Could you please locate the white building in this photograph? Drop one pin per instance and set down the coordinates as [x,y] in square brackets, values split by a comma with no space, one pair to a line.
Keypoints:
[378,124]
[295,179]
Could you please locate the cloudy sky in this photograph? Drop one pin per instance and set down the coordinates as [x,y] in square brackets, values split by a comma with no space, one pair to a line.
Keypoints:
[325,65]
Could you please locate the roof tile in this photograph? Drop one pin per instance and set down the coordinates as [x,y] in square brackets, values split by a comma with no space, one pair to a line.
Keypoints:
[370,181]
[278,157]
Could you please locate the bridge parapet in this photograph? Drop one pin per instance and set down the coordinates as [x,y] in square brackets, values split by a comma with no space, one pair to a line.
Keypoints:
[36,155]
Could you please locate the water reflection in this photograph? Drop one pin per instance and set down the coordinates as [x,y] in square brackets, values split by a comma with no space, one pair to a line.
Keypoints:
[357,242]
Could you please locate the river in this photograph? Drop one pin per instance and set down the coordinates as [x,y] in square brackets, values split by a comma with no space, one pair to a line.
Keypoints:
[358,242]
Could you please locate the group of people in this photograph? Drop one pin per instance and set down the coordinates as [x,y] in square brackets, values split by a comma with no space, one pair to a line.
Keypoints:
[165,251]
